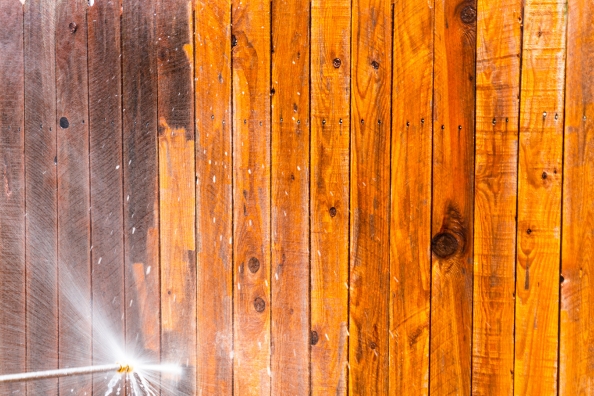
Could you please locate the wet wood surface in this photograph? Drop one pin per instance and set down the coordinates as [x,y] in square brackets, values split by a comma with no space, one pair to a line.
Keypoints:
[282,198]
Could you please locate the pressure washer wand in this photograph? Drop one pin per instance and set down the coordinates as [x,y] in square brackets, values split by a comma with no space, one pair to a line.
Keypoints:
[66,372]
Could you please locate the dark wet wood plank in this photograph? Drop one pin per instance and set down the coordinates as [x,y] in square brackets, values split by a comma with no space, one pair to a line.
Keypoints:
[410,220]
[12,195]
[107,222]
[41,197]
[329,185]
[290,198]
[175,61]
[370,196]
[74,228]
[140,190]
[214,195]
[251,46]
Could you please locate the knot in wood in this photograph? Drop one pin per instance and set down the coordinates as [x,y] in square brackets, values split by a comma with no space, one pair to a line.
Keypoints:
[332,211]
[254,265]
[259,304]
[444,245]
[336,63]
[73,27]
[314,337]
[468,14]
[375,65]
[64,123]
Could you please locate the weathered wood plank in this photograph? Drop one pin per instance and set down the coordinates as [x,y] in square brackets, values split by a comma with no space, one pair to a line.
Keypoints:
[41,198]
[453,169]
[74,228]
[107,222]
[329,186]
[214,196]
[290,329]
[251,46]
[577,299]
[539,197]
[140,190]
[177,191]
[371,65]
[410,221]
[12,195]
[496,155]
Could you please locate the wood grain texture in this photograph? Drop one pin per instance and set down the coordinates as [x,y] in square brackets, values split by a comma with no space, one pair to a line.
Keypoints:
[12,195]
[453,169]
[41,198]
[371,71]
[410,220]
[177,192]
[496,156]
[74,222]
[214,195]
[577,299]
[251,47]
[329,186]
[539,198]
[290,329]
[141,179]
[107,219]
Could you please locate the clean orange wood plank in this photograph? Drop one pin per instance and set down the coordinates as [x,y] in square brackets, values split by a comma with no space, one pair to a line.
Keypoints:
[140,190]
[329,186]
[41,198]
[177,192]
[453,169]
[539,198]
[496,156]
[370,196]
[577,299]
[214,195]
[410,221]
[107,223]
[290,334]
[251,46]
[12,195]
[74,222]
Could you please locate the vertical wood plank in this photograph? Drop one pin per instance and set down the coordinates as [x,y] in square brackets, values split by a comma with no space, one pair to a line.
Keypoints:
[140,190]
[214,189]
[539,197]
[74,231]
[251,46]
[12,195]
[290,334]
[452,219]
[177,191]
[107,224]
[410,221]
[41,199]
[329,186]
[497,109]
[371,63]
[577,300]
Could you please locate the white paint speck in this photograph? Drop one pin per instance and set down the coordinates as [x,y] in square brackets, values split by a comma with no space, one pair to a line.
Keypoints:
[148,270]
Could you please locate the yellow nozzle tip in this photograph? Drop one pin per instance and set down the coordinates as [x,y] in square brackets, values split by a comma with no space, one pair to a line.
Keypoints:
[125,368]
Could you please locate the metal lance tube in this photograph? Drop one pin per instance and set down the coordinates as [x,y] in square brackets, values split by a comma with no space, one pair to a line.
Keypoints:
[66,372]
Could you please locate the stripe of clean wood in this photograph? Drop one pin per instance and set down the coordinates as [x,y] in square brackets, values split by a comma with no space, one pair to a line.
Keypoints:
[329,184]
[214,189]
[250,42]
[74,229]
[140,165]
[410,222]
[497,90]
[539,198]
[107,223]
[290,198]
[41,198]
[12,195]
[370,196]
[177,192]
[453,168]
[577,301]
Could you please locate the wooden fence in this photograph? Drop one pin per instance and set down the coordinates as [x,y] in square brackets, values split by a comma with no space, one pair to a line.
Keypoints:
[290,197]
